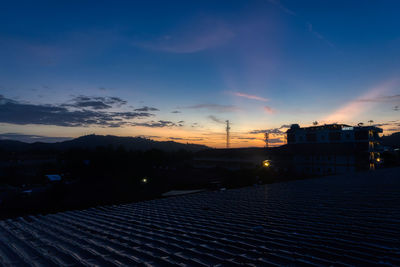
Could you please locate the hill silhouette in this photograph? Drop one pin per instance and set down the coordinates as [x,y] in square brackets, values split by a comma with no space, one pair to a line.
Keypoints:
[93,141]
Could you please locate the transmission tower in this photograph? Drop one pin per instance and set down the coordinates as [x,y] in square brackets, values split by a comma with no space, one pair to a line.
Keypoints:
[266,139]
[227,133]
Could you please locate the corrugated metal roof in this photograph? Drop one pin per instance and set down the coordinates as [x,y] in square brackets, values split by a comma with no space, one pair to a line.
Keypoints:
[53,177]
[347,220]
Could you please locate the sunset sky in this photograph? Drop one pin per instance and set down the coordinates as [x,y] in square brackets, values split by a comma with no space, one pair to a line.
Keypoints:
[177,70]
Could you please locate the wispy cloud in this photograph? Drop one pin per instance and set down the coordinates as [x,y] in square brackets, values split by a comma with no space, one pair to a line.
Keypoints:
[248,96]
[269,110]
[215,107]
[277,131]
[389,126]
[355,107]
[94,102]
[246,138]
[282,7]
[146,108]
[318,35]
[157,124]
[382,99]
[389,123]
[198,37]
[215,119]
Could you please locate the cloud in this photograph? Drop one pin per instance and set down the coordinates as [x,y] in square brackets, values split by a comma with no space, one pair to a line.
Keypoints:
[215,107]
[215,119]
[104,88]
[275,141]
[146,108]
[354,108]
[269,110]
[176,111]
[254,97]
[176,138]
[282,7]
[28,138]
[277,131]
[15,112]
[389,126]
[285,126]
[271,131]
[318,35]
[381,99]
[247,138]
[95,103]
[156,124]
[194,38]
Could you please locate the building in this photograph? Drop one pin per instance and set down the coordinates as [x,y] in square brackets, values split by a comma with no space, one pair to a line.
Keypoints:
[334,148]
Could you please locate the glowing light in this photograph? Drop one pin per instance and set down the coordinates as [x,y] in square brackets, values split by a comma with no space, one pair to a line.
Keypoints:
[144,180]
[266,163]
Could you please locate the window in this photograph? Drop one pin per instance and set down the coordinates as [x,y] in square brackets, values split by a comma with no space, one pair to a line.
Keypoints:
[361,135]
[311,137]
[291,138]
[335,136]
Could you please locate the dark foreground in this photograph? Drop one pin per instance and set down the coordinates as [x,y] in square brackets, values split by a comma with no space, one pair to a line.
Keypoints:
[342,220]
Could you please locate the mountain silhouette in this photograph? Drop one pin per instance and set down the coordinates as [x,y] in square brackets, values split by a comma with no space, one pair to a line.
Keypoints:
[93,141]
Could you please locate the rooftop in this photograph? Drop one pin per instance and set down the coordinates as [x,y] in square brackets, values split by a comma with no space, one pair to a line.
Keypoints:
[332,127]
[332,220]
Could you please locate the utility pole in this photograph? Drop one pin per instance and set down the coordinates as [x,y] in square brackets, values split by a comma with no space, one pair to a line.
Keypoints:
[227,133]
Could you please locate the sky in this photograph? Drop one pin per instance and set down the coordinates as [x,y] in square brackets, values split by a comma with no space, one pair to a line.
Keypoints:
[177,70]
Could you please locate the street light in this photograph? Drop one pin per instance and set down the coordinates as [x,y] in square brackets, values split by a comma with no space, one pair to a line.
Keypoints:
[266,163]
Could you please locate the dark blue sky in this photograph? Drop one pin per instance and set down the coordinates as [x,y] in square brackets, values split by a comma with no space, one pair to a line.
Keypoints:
[194,64]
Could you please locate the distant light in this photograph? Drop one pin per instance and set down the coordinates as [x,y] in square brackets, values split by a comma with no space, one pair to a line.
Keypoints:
[144,180]
[378,160]
[266,163]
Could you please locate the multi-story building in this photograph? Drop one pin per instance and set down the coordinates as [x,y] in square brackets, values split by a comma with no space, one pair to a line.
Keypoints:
[334,148]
